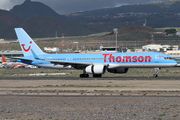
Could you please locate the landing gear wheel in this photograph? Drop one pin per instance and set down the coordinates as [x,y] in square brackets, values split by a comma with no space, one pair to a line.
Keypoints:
[155,75]
[97,75]
[156,71]
[83,75]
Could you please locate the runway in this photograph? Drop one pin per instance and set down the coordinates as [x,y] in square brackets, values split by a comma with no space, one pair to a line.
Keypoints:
[92,78]
[89,98]
[74,86]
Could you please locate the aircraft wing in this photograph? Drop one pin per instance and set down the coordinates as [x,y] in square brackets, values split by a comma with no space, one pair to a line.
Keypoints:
[74,64]
[61,62]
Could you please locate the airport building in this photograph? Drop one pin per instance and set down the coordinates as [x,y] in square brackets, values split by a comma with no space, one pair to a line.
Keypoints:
[159,48]
[178,33]
[113,49]
[171,50]
[10,54]
[51,49]
[173,53]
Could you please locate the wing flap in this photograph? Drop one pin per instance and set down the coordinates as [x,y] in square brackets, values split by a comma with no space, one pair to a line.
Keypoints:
[69,62]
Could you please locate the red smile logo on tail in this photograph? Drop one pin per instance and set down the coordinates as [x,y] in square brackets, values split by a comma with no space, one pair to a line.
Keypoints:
[23,46]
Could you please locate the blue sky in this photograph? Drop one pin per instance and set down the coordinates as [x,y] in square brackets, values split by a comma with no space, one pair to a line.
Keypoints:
[69,6]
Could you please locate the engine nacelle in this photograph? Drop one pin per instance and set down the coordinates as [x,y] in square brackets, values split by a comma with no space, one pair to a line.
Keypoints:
[95,69]
[118,70]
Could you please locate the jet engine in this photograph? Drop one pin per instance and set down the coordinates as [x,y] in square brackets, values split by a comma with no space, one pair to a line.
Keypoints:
[95,69]
[118,70]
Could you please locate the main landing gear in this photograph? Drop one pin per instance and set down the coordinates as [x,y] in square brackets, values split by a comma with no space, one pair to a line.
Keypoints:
[156,71]
[97,75]
[85,75]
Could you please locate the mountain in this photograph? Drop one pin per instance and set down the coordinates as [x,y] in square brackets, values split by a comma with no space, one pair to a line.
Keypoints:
[7,22]
[158,7]
[38,20]
[159,14]
[29,9]
[132,33]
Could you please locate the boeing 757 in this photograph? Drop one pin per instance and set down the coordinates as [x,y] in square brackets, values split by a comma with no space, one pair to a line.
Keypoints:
[93,63]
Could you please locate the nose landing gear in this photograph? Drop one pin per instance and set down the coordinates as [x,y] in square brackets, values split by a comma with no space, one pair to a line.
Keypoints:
[156,71]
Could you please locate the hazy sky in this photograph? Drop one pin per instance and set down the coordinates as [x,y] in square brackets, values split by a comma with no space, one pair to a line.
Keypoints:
[68,6]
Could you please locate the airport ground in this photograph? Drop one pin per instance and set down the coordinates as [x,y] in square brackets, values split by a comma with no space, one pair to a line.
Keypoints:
[61,94]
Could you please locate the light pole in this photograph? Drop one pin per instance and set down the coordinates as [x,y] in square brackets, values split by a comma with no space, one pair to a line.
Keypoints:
[116,32]
[56,34]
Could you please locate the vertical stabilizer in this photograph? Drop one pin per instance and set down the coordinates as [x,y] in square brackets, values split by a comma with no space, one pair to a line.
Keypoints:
[3,59]
[27,44]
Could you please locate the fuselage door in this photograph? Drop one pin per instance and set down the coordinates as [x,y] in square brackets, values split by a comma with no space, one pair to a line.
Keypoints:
[68,58]
[156,59]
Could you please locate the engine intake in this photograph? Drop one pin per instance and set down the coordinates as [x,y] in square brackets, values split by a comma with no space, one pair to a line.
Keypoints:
[95,69]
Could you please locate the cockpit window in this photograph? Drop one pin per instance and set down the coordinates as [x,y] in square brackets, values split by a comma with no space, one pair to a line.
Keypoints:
[167,58]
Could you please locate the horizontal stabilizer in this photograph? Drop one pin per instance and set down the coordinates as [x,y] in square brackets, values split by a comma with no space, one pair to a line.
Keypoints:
[19,58]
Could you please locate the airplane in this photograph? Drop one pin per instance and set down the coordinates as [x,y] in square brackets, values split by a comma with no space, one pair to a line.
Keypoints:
[7,64]
[93,63]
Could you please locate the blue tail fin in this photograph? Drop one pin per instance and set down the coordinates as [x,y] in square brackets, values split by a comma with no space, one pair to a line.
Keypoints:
[27,44]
